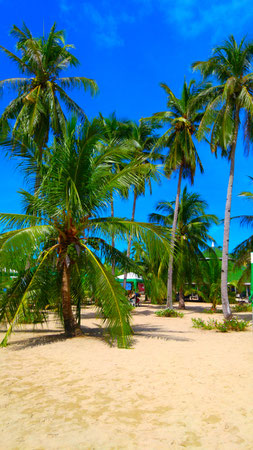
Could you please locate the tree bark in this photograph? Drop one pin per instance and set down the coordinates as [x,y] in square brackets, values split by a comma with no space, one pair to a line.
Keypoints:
[70,326]
[181,303]
[169,303]
[224,266]
[113,237]
[130,236]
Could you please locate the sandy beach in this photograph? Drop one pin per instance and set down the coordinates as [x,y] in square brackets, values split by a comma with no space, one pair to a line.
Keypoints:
[177,387]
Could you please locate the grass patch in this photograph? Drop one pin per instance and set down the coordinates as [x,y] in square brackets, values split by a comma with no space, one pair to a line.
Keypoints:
[224,326]
[169,313]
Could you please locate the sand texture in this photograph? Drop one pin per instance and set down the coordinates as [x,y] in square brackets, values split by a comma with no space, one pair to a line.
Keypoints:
[178,387]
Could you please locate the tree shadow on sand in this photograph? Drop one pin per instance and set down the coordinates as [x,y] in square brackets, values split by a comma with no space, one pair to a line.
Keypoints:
[148,331]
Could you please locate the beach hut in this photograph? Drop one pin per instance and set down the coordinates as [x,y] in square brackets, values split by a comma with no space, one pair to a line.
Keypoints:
[131,278]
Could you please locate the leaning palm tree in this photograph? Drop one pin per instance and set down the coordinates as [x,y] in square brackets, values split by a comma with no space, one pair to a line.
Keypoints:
[41,89]
[182,117]
[64,237]
[192,236]
[230,64]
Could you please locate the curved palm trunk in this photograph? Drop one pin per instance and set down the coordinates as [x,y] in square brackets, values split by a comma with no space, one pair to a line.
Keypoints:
[113,237]
[130,237]
[224,267]
[169,303]
[70,325]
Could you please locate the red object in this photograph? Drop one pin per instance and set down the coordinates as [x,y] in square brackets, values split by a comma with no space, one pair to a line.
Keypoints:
[141,287]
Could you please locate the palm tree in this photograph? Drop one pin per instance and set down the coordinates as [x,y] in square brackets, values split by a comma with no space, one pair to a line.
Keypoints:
[143,139]
[207,278]
[183,117]
[242,252]
[64,236]
[230,64]
[153,262]
[37,107]
[114,135]
[192,236]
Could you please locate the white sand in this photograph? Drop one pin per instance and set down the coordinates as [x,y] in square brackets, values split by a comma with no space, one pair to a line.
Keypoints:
[178,387]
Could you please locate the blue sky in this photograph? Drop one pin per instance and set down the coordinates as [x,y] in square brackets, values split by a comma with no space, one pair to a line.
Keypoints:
[129,48]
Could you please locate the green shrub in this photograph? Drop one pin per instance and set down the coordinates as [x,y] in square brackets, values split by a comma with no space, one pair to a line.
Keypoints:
[200,323]
[242,307]
[227,325]
[169,313]
[212,311]
[32,317]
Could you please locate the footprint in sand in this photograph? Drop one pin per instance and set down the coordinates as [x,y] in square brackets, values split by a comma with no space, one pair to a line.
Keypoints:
[192,440]
[212,419]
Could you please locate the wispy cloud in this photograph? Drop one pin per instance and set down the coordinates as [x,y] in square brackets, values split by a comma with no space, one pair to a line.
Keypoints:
[193,17]
[188,18]
[106,20]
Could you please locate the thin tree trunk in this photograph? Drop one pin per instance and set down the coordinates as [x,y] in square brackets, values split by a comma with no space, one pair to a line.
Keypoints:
[181,303]
[70,325]
[224,267]
[169,303]
[130,236]
[113,237]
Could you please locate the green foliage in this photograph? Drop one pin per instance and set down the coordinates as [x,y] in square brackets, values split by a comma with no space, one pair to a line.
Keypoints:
[242,307]
[32,317]
[212,311]
[191,237]
[200,323]
[64,237]
[37,108]
[233,324]
[169,313]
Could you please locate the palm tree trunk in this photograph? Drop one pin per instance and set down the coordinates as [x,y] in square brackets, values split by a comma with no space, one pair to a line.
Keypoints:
[224,267]
[130,236]
[70,325]
[181,303]
[169,303]
[113,237]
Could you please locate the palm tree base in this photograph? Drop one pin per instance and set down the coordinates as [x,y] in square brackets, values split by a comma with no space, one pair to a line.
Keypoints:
[72,329]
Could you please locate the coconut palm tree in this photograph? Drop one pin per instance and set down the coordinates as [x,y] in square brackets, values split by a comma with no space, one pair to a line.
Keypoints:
[228,101]
[182,117]
[64,236]
[191,238]
[143,139]
[114,135]
[207,278]
[41,89]
[153,262]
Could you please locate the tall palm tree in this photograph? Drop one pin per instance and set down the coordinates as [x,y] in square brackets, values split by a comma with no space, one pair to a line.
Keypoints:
[192,235]
[143,139]
[64,236]
[231,98]
[114,135]
[182,117]
[37,107]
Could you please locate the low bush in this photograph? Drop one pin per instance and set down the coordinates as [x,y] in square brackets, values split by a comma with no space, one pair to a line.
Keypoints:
[169,313]
[200,323]
[32,317]
[233,324]
[242,307]
[212,311]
